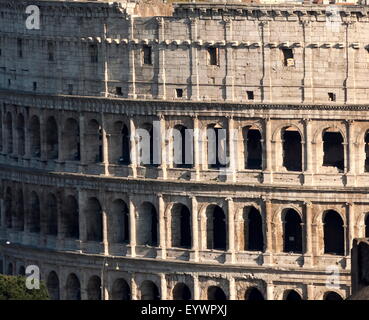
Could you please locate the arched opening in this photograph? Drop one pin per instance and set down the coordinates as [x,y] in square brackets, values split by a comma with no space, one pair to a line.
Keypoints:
[10,270]
[367,226]
[119,222]
[253,148]
[21,135]
[121,290]
[94,220]
[51,215]
[52,139]
[71,140]
[20,211]
[147,225]
[181,226]
[334,242]
[22,271]
[73,288]
[1,131]
[332,296]
[217,146]
[253,230]
[9,133]
[149,144]
[292,295]
[216,228]
[94,288]
[253,294]
[149,291]
[125,157]
[181,292]
[93,142]
[71,218]
[35,213]
[182,147]
[292,232]
[35,137]
[333,150]
[8,207]
[292,150]
[52,284]
[216,293]
[366,149]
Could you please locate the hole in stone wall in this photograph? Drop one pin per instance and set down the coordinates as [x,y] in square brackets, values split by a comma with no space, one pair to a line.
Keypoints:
[331,96]
[118,91]
[216,228]
[292,232]
[250,95]
[366,140]
[216,293]
[146,55]
[333,233]
[212,53]
[179,93]
[149,291]
[253,294]
[253,230]
[333,150]
[288,59]
[93,50]
[292,295]
[50,51]
[292,150]
[181,292]
[253,148]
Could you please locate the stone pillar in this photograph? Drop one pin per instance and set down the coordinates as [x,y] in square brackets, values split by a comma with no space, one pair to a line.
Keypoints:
[270,291]
[196,287]
[131,63]
[163,248]
[82,219]
[133,148]
[105,145]
[350,213]
[27,137]
[308,174]
[231,230]
[163,149]
[82,140]
[61,156]
[132,224]
[350,155]
[163,286]
[195,230]
[266,81]
[268,231]
[15,133]
[267,152]
[308,234]
[232,289]
[196,149]
[61,227]
[161,81]
[133,287]
[194,65]
[229,79]
[310,291]
[232,138]
[105,230]
[43,147]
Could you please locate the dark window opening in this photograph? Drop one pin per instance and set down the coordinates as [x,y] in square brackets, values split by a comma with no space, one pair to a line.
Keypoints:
[367,227]
[52,139]
[216,228]
[147,55]
[181,226]
[70,89]
[292,232]
[118,91]
[35,137]
[333,233]
[331,96]
[212,56]
[149,291]
[250,95]
[288,59]
[179,93]
[332,296]
[94,220]
[94,288]
[181,292]
[183,149]
[293,296]
[217,147]
[93,53]
[216,293]
[20,48]
[121,290]
[9,82]
[253,150]
[253,230]
[50,51]
[367,152]
[333,150]
[125,158]
[73,288]
[292,150]
[34,86]
[253,294]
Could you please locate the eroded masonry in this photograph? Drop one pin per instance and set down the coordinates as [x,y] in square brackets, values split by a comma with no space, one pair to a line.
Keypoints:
[274,222]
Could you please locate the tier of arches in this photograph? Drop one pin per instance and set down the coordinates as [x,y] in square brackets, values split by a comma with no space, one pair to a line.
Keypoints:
[51,214]
[89,140]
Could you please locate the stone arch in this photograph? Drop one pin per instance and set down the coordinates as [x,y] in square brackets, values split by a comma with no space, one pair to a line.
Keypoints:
[292,231]
[35,136]
[366,151]
[121,290]
[34,219]
[147,225]
[181,226]
[149,291]
[9,133]
[253,294]
[366,224]
[93,218]
[118,224]
[253,147]
[119,144]
[93,142]
[94,288]
[332,295]
[51,212]
[52,139]
[71,217]
[53,287]
[333,149]
[278,130]
[252,237]
[73,287]
[334,238]
[181,292]
[216,293]
[21,136]
[292,295]
[8,207]
[317,136]
[291,149]
[71,140]
[216,228]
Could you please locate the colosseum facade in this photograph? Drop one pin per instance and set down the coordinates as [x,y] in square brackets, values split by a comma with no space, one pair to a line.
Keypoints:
[275,221]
